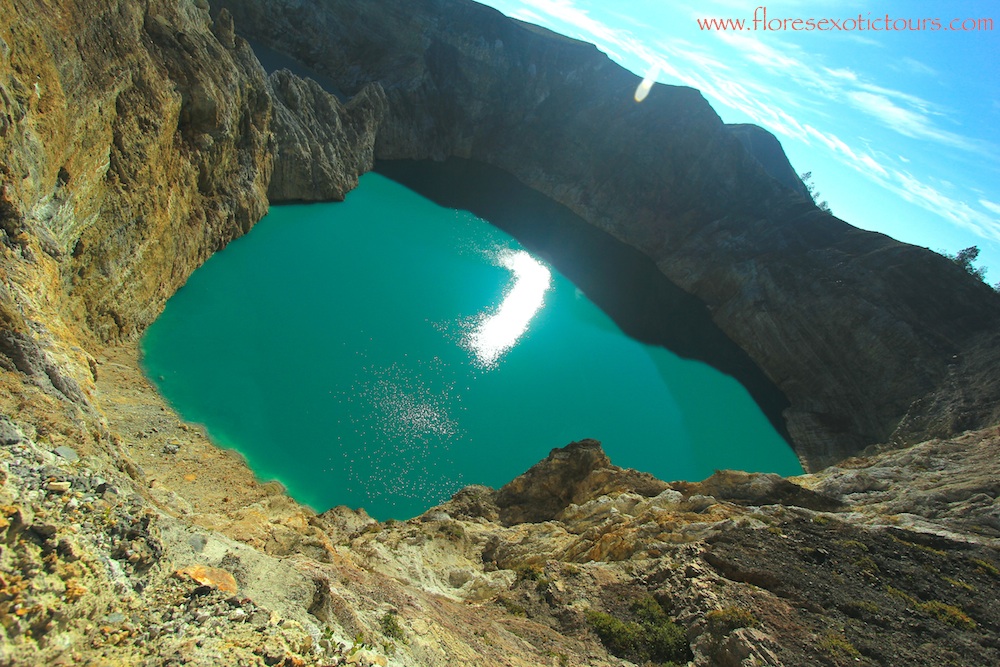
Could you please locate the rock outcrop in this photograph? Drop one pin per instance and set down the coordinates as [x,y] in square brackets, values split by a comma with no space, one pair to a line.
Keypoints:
[852,326]
[569,475]
[322,145]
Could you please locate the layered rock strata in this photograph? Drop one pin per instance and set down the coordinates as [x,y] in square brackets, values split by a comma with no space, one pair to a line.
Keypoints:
[852,326]
[322,145]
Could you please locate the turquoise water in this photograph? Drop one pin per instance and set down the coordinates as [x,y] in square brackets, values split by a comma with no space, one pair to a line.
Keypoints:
[385,352]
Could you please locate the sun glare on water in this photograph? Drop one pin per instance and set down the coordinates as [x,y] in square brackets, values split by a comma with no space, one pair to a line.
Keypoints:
[496,333]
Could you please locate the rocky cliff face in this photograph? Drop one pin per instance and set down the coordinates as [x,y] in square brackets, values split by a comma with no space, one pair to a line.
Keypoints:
[322,145]
[767,150]
[852,326]
[135,144]
[138,139]
[104,100]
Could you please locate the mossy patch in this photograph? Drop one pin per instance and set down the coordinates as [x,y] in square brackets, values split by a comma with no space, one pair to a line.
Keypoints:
[960,584]
[986,567]
[948,613]
[838,646]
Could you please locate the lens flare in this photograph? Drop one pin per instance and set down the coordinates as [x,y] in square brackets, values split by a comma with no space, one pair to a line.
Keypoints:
[647,84]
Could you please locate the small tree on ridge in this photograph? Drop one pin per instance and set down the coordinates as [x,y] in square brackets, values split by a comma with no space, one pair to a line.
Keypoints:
[806,178]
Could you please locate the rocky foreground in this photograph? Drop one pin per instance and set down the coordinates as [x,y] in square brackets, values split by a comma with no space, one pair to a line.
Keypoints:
[139,137]
[184,559]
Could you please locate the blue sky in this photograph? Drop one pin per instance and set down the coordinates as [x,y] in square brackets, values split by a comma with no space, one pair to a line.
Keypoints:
[901,129]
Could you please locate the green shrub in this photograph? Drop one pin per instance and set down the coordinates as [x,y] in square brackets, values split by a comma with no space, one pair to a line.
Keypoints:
[391,627]
[652,637]
[966,259]
[648,610]
[725,620]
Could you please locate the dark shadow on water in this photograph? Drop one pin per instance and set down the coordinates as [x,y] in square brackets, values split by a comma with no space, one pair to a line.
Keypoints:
[619,279]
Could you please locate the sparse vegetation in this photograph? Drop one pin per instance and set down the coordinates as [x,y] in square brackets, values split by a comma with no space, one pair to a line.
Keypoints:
[986,567]
[959,584]
[966,258]
[921,547]
[944,612]
[391,627]
[948,613]
[806,178]
[451,530]
[561,657]
[361,643]
[858,608]
[651,637]
[513,608]
[867,564]
[853,544]
[838,646]
[902,595]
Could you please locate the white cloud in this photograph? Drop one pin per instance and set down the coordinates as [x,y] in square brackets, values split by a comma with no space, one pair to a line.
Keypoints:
[567,12]
[527,16]
[954,210]
[913,100]
[864,41]
[770,106]
[917,67]
[863,163]
[759,51]
[869,162]
[990,206]
[841,74]
[908,122]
